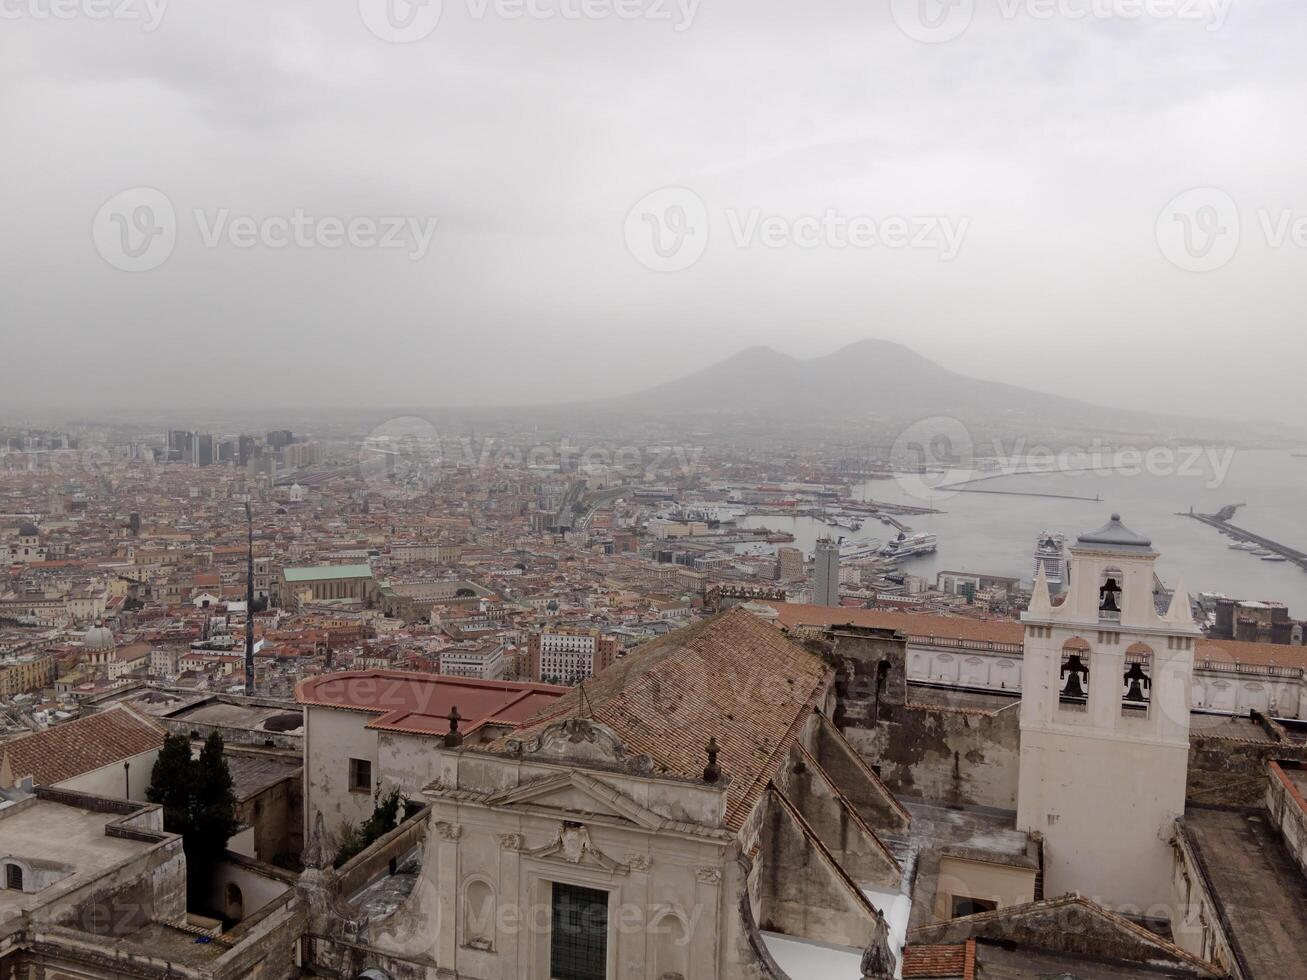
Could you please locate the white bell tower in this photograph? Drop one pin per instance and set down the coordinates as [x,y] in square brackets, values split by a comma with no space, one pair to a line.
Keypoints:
[1105,700]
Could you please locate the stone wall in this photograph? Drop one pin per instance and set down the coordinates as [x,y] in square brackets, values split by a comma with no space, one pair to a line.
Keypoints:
[1231,771]
[946,755]
[1288,809]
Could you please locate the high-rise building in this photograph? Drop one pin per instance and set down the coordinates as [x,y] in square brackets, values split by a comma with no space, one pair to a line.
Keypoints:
[789,564]
[827,560]
[280,438]
[179,444]
[204,449]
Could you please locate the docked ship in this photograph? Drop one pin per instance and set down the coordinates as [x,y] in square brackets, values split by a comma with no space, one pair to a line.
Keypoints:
[1050,555]
[861,548]
[910,545]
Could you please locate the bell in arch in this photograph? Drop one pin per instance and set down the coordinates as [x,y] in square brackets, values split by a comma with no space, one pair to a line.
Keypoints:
[1075,675]
[1109,596]
[1137,684]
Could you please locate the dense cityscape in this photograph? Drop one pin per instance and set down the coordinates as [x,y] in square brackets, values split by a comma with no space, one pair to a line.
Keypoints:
[330,612]
[653,490]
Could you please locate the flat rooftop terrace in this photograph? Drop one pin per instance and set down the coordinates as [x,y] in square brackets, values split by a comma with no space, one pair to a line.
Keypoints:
[252,717]
[56,834]
[1260,889]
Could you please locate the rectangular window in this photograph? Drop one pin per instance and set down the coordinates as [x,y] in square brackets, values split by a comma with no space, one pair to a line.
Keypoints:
[360,776]
[578,945]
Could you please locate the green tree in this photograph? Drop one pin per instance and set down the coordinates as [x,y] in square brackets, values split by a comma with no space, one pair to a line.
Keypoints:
[199,803]
[385,818]
[213,818]
[172,783]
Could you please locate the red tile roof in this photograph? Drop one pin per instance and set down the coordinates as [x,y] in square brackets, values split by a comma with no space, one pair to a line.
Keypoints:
[81,746]
[934,961]
[733,677]
[406,701]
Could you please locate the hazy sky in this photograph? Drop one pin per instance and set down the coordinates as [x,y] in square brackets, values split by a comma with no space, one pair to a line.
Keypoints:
[1049,138]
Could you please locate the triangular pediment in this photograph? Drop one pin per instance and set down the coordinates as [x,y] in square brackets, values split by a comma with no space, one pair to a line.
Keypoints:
[580,794]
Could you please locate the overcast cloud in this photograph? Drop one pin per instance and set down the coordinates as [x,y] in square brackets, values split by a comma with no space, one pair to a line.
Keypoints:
[501,157]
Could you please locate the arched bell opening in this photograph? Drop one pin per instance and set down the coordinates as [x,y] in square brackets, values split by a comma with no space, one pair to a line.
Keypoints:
[1137,681]
[1073,679]
[1111,588]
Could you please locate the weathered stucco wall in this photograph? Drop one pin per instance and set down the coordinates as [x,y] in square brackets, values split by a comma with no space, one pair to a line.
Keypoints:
[946,755]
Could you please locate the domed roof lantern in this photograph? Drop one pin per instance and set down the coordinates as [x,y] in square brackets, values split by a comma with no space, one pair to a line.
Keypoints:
[1115,536]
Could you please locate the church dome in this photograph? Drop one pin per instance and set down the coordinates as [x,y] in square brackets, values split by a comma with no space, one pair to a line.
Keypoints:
[98,637]
[29,531]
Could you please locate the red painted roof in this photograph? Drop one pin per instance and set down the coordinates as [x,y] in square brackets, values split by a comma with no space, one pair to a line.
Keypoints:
[406,701]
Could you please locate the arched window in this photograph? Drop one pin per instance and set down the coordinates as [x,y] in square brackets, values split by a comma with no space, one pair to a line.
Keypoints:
[233,902]
[479,913]
[14,877]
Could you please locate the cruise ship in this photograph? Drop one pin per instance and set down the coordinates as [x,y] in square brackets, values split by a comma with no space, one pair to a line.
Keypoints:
[1050,554]
[910,545]
[861,548]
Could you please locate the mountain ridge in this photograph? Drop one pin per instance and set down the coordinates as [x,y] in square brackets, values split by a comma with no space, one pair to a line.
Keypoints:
[869,376]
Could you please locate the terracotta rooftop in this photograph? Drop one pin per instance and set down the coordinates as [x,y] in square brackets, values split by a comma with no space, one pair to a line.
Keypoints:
[935,961]
[733,677]
[80,746]
[406,701]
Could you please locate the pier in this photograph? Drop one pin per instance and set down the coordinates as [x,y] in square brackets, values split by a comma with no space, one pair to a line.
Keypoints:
[1299,558]
[962,488]
[969,485]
